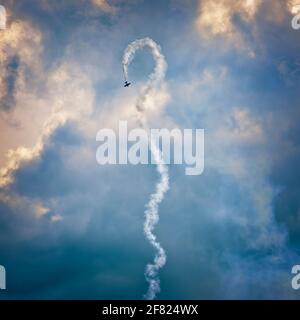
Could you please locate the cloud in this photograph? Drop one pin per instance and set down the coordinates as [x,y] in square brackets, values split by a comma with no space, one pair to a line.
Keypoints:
[236,21]
[224,221]
[291,4]
[237,147]
[41,100]
[20,203]
[104,5]
[68,96]
[22,41]
[56,218]
[216,17]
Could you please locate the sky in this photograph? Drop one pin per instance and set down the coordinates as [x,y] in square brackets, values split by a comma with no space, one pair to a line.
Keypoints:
[72,229]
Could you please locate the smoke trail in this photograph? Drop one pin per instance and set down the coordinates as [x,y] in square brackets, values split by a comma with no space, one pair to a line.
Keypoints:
[152,219]
[162,186]
[158,74]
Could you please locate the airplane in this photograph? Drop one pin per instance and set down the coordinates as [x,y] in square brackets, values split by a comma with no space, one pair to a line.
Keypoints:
[127,84]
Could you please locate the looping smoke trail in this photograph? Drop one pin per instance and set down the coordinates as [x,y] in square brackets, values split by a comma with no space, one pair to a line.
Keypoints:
[162,186]
[158,74]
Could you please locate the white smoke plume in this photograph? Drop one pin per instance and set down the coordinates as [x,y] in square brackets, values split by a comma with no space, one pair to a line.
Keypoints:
[162,186]
[152,218]
[156,77]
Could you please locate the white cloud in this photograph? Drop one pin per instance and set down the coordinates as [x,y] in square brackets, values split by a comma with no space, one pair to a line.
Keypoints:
[216,19]
[68,96]
[104,5]
[56,218]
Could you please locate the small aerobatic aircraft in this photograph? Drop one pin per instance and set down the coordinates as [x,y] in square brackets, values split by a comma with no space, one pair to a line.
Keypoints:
[127,84]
